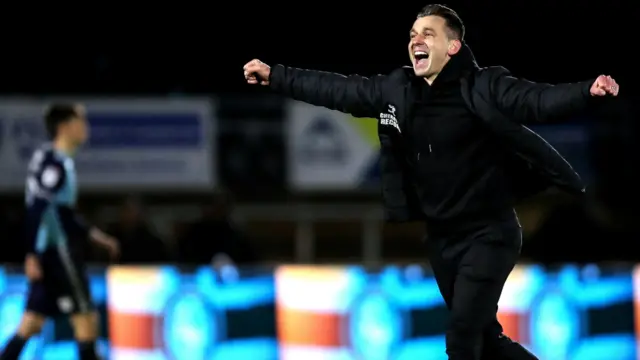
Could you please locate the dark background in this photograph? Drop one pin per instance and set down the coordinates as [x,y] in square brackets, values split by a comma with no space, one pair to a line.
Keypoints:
[201,49]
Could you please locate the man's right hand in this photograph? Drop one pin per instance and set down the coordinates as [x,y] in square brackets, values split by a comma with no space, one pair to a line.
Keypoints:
[32,267]
[257,72]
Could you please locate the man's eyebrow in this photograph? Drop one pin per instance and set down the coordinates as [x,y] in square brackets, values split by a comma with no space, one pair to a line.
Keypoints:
[426,28]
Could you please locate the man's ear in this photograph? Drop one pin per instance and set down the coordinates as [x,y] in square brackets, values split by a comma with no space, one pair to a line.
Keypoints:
[454,47]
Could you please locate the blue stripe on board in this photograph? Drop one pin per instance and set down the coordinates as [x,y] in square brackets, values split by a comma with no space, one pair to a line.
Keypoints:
[128,130]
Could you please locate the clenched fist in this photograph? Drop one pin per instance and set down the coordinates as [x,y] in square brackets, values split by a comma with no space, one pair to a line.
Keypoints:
[604,85]
[257,72]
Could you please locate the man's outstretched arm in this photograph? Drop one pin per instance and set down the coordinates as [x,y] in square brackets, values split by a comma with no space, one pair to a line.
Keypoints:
[528,101]
[356,95]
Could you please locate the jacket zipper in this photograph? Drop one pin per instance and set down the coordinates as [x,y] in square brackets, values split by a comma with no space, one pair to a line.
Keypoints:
[409,112]
[409,118]
[430,150]
[428,142]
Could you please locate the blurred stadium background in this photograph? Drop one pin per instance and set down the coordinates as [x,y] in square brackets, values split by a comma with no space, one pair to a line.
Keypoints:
[186,163]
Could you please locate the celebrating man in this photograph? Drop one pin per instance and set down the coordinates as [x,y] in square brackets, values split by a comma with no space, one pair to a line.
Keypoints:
[455,155]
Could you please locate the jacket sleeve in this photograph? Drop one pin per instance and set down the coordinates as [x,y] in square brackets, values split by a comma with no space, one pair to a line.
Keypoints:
[527,101]
[356,95]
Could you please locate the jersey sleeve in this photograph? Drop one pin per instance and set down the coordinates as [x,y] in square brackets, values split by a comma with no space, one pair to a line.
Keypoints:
[51,179]
[46,176]
[46,179]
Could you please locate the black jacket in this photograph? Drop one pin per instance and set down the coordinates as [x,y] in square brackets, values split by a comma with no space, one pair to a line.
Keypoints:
[501,101]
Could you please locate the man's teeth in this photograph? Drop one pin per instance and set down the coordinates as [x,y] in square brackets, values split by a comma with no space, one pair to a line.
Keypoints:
[420,53]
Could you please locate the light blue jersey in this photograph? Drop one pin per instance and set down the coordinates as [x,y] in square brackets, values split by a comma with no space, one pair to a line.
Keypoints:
[50,197]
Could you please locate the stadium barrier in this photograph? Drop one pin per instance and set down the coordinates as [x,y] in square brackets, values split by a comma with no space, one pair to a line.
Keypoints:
[308,313]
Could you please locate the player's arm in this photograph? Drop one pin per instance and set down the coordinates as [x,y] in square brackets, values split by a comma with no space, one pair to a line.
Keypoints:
[352,94]
[106,241]
[34,216]
[44,188]
[527,101]
[356,95]
[97,236]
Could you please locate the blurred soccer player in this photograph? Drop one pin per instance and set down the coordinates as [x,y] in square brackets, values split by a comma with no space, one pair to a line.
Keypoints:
[56,237]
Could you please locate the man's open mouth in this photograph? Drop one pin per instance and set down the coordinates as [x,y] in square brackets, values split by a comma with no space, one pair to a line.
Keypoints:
[421,57]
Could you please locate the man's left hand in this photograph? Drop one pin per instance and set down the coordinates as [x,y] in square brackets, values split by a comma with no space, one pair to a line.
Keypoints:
[108,242]
[113,248]
[604,85]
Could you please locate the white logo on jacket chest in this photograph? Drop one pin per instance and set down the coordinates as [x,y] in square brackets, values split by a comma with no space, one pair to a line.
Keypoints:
[388,118]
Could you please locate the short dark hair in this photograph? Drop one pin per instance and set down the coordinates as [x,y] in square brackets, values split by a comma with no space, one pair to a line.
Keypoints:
[56,114]
[451,18]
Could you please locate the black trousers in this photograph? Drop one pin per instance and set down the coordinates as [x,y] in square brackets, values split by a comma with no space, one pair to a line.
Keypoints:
[471,265]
